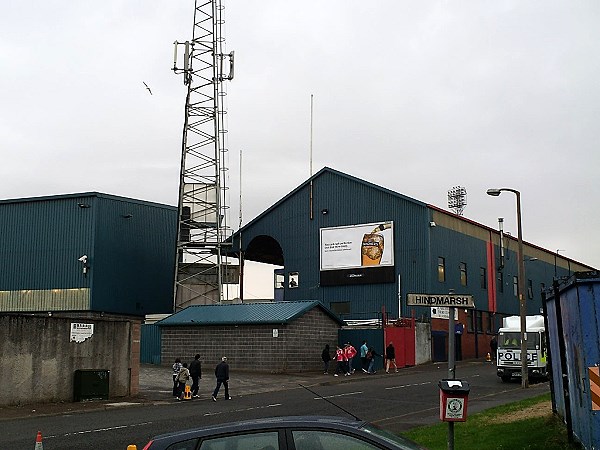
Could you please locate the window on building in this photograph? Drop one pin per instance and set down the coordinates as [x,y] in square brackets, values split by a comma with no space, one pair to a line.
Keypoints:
[340,307]
[482,278]
[463,274]
[489,327]
[530,289]
[279,281]
[516,286]
[470,320]
[500,282]
[293,279]
[441,269]
[479,321]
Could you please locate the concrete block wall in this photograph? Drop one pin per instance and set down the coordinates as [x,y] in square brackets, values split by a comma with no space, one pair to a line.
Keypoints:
[296,347]
[38,361]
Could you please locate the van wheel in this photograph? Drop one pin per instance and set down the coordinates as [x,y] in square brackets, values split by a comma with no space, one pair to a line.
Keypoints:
[506,378]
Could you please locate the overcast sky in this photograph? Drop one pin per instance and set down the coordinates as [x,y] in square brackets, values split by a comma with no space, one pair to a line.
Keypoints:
[413,96]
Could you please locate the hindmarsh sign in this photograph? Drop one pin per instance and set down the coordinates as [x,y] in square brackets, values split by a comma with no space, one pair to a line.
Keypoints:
[450,300]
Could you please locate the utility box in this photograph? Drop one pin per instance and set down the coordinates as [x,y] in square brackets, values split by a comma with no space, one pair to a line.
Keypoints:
[91,384]
[454,395]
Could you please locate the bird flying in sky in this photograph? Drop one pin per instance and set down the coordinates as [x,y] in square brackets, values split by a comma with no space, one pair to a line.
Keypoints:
[147,87]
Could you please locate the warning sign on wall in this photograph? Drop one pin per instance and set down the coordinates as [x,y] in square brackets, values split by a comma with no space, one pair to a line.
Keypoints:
[81,331]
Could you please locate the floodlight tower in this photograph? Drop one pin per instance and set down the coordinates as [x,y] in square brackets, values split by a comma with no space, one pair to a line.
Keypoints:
[200,271]
[457,199]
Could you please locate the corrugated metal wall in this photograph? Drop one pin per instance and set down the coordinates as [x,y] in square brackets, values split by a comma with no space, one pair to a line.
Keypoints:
[134,257]
[130,247]
[574,337]
[150,344]
[342,200]
[39,250]
[348,201]
[462,241]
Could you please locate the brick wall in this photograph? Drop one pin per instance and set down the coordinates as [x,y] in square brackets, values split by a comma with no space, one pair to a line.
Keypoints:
[296,348]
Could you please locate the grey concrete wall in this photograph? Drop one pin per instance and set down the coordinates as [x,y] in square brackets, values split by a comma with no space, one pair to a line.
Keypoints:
[297,347]
[423,343]
[38,361]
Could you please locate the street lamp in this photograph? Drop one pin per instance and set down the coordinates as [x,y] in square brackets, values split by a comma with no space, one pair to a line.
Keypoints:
[521,268]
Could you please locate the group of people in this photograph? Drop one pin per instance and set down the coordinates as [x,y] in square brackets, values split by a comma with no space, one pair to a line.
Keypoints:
[344,357]
[182,375]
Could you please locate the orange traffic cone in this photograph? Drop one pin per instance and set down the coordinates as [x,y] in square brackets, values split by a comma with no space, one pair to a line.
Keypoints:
[488,357]
[38,442]
[187,394]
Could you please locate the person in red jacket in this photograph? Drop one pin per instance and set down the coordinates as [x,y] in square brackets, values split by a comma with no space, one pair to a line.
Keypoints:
[340,359]
[350,353]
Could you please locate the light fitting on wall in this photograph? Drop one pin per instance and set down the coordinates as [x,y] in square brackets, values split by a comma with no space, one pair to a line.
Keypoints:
[432,224]
[83,205]
[126,216]
[325,211]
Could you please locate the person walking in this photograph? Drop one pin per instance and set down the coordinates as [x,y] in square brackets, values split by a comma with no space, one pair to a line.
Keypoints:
[326,357]
[196,374]
[364,349]
[182,379]
[371,354]
[339,360]
[176,368]
[350,353]
[390,357]
[222,374]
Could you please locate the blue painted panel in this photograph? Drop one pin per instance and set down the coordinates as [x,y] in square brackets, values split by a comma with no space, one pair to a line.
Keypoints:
[150,344]
[374,338]
[581,335]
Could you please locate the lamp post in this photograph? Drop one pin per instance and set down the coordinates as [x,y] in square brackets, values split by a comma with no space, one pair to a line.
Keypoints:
[521,269]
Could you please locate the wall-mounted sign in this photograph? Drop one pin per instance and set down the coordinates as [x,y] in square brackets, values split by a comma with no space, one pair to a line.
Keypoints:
[448,300]
[81,331]
[357,254]
[367,245]
[442,312]
[293,278]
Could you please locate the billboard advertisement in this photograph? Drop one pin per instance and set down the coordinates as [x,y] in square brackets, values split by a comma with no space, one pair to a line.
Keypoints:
[361,253]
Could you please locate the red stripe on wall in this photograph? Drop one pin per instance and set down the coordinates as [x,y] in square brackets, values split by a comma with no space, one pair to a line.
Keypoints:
[491,276]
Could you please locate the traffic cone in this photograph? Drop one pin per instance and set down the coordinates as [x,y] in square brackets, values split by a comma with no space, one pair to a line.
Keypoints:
[488,357]
[187,394]
[38,442]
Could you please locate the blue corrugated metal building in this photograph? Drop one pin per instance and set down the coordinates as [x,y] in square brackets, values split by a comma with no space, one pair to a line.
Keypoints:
[314,232]
[87,252]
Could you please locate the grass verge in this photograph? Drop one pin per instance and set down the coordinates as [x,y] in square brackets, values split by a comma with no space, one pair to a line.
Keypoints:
[527,424]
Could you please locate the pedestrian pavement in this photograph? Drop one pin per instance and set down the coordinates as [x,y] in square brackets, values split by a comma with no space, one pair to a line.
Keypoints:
[156,383]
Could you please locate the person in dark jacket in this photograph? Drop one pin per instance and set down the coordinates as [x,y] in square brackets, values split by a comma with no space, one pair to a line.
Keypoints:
[222,374]
[494,347]
[326,357]
[371,354]
[390,358]
[196,374]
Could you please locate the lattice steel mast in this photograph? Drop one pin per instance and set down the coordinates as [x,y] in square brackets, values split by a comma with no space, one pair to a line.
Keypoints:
[202,226]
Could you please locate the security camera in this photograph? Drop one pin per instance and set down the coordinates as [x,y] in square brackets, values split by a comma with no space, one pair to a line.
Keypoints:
[83,259]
